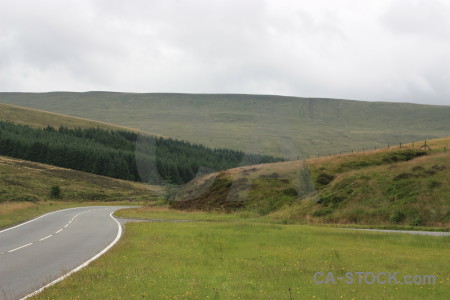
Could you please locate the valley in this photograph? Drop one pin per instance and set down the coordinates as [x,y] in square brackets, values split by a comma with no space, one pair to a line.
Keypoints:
[283,220]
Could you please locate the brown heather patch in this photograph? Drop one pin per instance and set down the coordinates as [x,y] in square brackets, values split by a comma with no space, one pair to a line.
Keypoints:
[368,194]
[8,207]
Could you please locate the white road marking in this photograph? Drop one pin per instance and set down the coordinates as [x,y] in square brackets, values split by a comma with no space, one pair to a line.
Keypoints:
[119,234]
[4,230]
[46,237]
[20,247]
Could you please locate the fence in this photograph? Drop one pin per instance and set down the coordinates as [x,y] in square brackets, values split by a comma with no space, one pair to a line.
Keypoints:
[423,146]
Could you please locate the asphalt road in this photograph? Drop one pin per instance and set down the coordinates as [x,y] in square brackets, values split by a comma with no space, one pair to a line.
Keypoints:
[40,251]
[430,233]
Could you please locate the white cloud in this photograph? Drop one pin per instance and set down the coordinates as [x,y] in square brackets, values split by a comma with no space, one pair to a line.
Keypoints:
[384,50]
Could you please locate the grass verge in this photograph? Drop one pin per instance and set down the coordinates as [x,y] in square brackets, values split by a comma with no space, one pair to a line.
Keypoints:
[167,213]
[256,261]
[12,213]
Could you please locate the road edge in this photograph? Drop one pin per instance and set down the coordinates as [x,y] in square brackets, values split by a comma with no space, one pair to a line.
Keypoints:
[85,264]
[37,217]
[413,232]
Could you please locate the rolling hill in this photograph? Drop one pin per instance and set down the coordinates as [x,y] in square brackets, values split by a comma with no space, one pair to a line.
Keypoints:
[386,186]
[26,190]
[23,180]
[118,154]
[290,127]
[39,119]
[407,186]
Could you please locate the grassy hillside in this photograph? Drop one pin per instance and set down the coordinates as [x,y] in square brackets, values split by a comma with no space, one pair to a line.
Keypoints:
[118,154]
[27,181]
[25,190]
[283,126]
[396,186]
[38,119]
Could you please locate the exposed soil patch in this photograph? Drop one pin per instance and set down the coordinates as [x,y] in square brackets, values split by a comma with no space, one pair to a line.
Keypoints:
[419,172]
[215,198]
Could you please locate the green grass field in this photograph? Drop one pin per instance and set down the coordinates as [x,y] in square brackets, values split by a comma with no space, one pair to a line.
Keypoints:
[256,261]
[252,253]
[280,126]
[155,211]
[164,212]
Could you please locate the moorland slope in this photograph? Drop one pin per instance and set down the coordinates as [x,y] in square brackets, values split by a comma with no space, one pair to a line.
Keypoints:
[396,186]
[282,126]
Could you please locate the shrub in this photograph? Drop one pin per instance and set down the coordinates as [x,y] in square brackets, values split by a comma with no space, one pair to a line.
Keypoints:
[417,222]
[322,212]
[403,176]
[55,192]
[438,168]
[402,155]
[270,176]
[329,199]
[430,172]
[397,217]
[418,169]
[433,184]
[170,192]
[324,178]
[290,192]
[356,215]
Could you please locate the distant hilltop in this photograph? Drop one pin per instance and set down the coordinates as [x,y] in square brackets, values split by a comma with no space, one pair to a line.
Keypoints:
[290,127]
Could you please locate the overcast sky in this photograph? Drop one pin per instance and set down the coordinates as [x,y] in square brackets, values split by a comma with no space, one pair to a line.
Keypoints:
[377,50]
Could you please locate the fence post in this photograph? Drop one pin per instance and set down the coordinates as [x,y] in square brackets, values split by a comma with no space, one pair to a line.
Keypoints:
[400,145]
[388,146]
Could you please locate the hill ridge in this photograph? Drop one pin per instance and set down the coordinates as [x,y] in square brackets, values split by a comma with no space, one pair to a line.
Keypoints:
[275,125]
[6,109]
[223,94]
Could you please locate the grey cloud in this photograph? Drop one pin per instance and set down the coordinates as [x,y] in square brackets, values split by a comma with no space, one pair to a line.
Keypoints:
[430,19]
[382,50]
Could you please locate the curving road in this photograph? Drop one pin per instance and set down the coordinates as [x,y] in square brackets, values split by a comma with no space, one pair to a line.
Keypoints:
[429,233]
[41,251]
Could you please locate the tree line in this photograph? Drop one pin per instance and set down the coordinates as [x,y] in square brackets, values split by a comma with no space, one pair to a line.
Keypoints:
[119,154]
